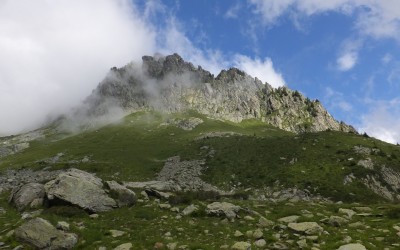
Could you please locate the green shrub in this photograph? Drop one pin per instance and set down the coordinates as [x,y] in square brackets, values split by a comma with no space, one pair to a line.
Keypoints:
[393,213]
[189,197]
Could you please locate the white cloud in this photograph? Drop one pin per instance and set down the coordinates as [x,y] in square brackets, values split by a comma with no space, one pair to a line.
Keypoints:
[349,54]
[263,70]
[271,10]
[233,11]
[383,121]
[54,53]
[376,18]
[174,40]
[387,58]
[336,99]
[347,61]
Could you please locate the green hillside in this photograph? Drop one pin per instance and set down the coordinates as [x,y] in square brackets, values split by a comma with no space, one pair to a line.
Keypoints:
[252,155]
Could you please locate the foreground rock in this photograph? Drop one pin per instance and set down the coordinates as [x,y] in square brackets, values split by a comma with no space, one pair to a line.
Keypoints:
[40,234]
[222,209]
[79,188]
[29,195]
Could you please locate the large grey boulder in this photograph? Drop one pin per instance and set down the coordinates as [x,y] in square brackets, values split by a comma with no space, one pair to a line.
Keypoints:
[80,188]
[222,209]
[40,234]
[123,195]
[28,195]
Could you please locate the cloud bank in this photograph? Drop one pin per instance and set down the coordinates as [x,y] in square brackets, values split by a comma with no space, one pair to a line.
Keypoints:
[263,70]
[53,53]
[383,121]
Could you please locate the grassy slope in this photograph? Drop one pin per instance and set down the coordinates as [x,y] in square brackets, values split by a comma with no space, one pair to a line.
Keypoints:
[136,148]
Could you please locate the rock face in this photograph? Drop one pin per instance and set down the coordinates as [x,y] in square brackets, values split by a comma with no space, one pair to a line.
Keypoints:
[170,84]
[79,188]
[29,195]
[379,183]
[40,234]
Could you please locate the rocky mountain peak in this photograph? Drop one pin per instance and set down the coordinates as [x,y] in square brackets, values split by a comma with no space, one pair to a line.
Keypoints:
[170,84]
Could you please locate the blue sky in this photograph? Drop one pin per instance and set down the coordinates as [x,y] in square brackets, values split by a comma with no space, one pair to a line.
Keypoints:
[346,53]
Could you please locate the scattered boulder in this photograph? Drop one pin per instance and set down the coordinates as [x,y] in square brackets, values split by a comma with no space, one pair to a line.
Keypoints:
[258,234]
[302,243]
[238,234]
[116,233]
[263,222]
[40,234]
[62,225]
[289,219]
[81,189]
[190,209]
[241,245]
[31,215]
[158,194]
[186,124]
[125,246]
[363,209]
[123,195]
[348,212]
[164,206]
[261,243]
[165,186]
[337,221]
[279,246]
[353,246]
[222,209]
[158,245]
[367,163]
[28,195]
[306,227]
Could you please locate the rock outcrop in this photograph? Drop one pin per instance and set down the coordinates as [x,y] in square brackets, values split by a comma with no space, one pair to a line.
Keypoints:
[170,84]
[80,189]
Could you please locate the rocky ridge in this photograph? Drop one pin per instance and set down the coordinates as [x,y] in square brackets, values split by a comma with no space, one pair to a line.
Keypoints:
[170,84]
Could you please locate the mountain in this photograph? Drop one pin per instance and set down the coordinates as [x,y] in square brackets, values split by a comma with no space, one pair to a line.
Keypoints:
[171,157]
[169,84]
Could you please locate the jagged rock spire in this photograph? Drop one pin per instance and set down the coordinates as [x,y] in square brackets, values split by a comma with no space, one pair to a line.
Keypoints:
[170,84]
